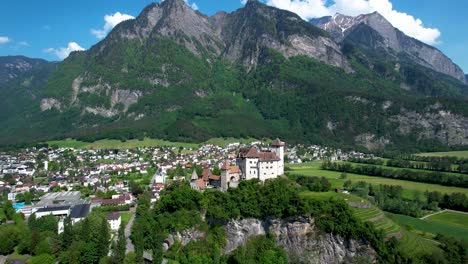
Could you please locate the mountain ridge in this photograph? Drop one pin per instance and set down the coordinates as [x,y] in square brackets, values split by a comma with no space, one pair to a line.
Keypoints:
[341,26]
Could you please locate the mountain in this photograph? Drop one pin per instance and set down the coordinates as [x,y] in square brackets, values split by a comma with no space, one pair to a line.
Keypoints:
[375,32]
[259,71]
[14,67]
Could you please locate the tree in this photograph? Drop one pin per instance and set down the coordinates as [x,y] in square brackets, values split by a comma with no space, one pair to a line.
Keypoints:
[8,209]
[343,175]
[104,237]
[9,239]
[67,235]
[90,253]
[118,251]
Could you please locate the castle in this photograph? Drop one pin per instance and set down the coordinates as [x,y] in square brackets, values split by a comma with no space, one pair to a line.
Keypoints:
[250,164]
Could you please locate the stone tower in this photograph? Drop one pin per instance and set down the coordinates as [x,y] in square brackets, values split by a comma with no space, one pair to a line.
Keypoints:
[278,148]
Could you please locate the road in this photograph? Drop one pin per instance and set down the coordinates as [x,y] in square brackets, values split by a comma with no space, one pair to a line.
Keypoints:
[128,232]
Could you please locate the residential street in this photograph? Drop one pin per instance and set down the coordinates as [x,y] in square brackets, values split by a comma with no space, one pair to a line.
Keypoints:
[128,231]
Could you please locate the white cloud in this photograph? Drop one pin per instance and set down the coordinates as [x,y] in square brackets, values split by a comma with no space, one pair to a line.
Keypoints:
[110,22]
[23,43]
[4,40]
[63,53]
[410,25]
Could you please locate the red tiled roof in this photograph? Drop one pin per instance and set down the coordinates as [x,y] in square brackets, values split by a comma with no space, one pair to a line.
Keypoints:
[268,156]
[201,184]
[234,169]
[215,178]
[225,165]
[206,174]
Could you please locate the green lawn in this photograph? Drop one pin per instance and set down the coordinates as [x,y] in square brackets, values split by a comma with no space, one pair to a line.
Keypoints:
[126,217]
[430,227]
[313,169]
[458,154]
[451,218]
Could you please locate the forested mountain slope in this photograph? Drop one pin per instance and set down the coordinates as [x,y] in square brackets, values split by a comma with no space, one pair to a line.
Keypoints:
[177,74]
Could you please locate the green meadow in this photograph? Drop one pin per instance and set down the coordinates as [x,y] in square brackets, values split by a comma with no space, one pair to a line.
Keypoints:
[410,188]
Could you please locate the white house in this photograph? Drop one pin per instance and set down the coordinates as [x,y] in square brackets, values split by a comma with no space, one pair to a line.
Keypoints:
[114,220]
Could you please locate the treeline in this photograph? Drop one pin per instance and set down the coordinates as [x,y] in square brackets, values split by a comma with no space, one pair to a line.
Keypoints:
[430,159]
[435,165]
[180,208]
[454,201]
[390,198]
[314,184]
[409,175]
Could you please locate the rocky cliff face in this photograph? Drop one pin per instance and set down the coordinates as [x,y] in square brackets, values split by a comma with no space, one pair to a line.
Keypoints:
[257,26]
[442,125]
[343,28]
[300,238]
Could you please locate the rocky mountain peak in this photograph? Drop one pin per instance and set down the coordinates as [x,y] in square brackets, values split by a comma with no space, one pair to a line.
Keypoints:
[386,37]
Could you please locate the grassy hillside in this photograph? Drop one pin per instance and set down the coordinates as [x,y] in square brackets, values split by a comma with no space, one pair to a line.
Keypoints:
[429,227]
[411,242]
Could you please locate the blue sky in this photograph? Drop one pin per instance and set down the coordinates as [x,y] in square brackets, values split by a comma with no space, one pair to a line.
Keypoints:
[45,28]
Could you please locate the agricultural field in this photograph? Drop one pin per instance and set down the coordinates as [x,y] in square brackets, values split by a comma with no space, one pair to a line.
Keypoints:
[429,227]
[223,142]
[458,219]
[117,144]
[458,154]
[410,188]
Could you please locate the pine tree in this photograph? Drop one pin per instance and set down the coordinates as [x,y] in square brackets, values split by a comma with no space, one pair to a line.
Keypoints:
[104,237]
[67,236]
[118,252]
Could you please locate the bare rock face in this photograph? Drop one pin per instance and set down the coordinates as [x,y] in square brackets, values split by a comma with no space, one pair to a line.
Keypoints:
[256,26]
[12,67]
[449,128]
[300,238]
[343,27]
[50,103]
[371,141]
[171,18]
[183,237]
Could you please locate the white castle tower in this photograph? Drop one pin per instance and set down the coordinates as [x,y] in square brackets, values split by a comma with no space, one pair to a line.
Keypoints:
[278,148]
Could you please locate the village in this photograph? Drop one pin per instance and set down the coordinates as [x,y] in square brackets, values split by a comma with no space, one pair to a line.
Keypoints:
[67,182]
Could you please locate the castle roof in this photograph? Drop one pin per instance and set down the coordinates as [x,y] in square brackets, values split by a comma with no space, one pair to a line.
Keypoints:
[277,143]
[194,176]
[206,174]
[253,153]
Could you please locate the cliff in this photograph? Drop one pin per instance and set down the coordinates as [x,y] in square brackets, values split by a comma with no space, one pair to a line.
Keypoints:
[299,236]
